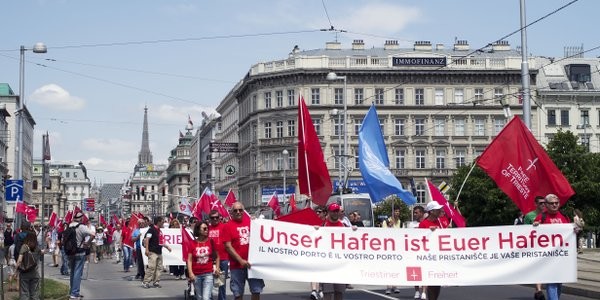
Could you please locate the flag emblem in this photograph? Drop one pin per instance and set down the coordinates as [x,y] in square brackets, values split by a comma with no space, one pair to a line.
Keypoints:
[413,274]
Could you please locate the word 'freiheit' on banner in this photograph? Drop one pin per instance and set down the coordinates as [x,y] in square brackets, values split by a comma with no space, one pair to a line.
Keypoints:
[498,255]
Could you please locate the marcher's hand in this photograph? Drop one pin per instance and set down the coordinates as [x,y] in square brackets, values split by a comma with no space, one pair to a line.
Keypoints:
[317,227]
[433,228]
[192,278]
[147,253]
[536,223]
[169,248]
[245,264]
[354,228]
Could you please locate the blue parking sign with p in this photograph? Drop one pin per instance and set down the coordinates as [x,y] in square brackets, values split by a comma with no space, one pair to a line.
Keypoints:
[14,190]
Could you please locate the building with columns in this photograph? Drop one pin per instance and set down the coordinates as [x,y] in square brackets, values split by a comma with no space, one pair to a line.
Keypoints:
[177,179]
[439,107]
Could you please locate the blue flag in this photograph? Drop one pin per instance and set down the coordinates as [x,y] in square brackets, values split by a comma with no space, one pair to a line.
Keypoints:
[374,162]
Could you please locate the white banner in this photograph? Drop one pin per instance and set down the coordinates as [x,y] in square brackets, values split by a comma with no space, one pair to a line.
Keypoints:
[172,237]
[376,256]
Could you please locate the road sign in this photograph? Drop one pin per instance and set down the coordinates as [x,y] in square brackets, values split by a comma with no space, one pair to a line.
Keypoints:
[223,147]
[229,170]
[14,190]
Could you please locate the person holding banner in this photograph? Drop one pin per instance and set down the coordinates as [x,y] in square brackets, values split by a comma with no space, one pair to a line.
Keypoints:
[136,239]
[540,206]
[153,246]
[202,262]
[433,222]
[552,216]
[237,243]
[333,291]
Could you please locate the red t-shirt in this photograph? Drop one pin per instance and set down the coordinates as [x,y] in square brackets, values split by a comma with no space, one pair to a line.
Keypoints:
[426,223]
[444,222]
[201,257]
[216,234]
[238,233]
[328,223]
[556,218]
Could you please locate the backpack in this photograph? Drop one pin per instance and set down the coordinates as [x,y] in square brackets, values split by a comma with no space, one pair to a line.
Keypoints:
[28,263]
[18,243]
[69,240]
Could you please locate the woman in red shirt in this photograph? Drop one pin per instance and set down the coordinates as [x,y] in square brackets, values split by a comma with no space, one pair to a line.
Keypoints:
[202,262]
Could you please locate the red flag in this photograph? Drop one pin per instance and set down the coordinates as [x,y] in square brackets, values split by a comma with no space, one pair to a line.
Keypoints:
[171,216]
[186,243]
[115,220]
[313,176]
[450,211]
[29,211]
[230,199]
[69,217]
[59,226]
[293,202]
[127,231]
[53,221]
[521,167]
[218,206]
[305,216]
[203,204]
[274,204]
[103,221]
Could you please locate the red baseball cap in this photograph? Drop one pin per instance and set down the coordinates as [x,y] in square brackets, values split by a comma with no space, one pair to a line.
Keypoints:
[333,207]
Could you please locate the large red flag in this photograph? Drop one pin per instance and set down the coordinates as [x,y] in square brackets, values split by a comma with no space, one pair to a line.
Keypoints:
[450,211]
[274,204]
[103,221]
[230,199]
[69,217]
[29,211]
[305,216]
[203,204]
[53,221]
[216,204]
[521,167]
[127,231]
[186,242]
[313,176]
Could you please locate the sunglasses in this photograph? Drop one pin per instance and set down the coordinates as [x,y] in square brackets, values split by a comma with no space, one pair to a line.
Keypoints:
[237,210]
[215,218]
[552,203]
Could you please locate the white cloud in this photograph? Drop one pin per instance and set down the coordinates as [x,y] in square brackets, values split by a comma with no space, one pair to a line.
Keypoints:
[179,114]
[111,146]
[55,97]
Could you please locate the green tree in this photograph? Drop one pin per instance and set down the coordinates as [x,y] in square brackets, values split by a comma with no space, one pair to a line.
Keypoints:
[384,208]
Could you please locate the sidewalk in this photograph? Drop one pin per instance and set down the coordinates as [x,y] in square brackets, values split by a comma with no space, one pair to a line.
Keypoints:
[588,275]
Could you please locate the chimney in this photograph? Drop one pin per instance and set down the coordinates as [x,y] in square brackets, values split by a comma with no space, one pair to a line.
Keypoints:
[358,45]
[461,45]
[391,45]
[423,46]
[439,47]
[333,46]
[501,46]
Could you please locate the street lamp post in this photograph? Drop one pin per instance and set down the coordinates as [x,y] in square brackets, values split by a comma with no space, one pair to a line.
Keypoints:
[285,158]
[331,76]
[37,48]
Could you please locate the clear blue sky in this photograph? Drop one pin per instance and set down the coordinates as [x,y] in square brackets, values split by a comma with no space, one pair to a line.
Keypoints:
[91,94]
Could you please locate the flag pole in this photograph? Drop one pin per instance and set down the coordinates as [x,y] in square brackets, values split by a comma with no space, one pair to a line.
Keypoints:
[465,181]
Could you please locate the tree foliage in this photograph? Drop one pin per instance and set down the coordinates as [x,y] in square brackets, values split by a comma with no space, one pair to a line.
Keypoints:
[384,208]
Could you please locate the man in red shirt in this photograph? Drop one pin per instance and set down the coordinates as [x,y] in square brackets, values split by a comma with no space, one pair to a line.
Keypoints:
[215,233]
[333,290]
[236,237]
[433,222]
[552,216]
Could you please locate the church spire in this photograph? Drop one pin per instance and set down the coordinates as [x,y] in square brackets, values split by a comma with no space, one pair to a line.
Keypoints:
[145,156]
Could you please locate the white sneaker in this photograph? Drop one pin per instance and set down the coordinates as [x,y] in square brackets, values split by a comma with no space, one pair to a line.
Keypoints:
[423,296]
[314,295]
[320,294]
[417,295]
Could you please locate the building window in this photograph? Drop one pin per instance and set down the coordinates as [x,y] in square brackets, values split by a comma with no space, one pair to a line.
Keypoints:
[420,159]
[254,103]
[34,185]
[267,100]
[379,93]
[459,127]
[399,96]
[419,126]
[338,127]
[48,210]
[315,96]
[460,157]
[440,127]
[268,163]
[478,94]
[498,94]
[439,96]
[68,174]
[399,127]
[440,159]
[552,117]
[338,96]
[357,124]
[291,128]
[279,97]
[317,124]
[498,125]
[400,155]
[291,95]
[267,130]
[420,193]
[359,95]
[291,160]
[585,117]
[564,118]
[479,127]
[459,96]
[279,129]
[419,96]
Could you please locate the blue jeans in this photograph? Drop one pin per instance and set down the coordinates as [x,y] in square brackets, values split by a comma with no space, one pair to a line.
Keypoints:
[553,291]
[203,286]
[76,263]
[64,268]
[238,283]
[126,258]
[224,266]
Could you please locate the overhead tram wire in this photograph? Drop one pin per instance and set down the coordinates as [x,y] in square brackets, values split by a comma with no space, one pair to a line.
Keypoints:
[326,13]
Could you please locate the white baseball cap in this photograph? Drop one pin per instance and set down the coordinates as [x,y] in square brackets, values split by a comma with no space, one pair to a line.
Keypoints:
[433,205]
